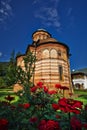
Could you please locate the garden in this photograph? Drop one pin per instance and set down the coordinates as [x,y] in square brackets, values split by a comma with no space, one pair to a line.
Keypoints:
[37,108]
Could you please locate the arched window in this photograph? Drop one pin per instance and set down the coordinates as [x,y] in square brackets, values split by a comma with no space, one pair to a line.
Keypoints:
[46,53]
[53,53]
[60,72]
[77,86]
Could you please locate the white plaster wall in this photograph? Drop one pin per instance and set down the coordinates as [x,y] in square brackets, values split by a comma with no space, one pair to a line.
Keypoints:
[85,82]
[81,81]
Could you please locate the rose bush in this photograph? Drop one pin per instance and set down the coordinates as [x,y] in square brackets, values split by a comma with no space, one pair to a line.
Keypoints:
[42,112]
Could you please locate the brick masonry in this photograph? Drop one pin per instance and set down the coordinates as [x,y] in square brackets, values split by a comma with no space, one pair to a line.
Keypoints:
[52,65]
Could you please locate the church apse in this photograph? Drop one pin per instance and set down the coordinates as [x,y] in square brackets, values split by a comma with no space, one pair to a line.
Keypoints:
[52,64]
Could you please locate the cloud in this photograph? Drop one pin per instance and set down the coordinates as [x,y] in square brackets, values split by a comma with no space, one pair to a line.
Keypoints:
[70,17]
[36,1]
[0,54]
[48,14]
[5,10]
[55,2]
[69,11]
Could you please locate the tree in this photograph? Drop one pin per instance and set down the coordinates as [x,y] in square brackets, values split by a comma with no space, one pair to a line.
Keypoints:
[3,68]
[11,72]
[15,74]
[24,75]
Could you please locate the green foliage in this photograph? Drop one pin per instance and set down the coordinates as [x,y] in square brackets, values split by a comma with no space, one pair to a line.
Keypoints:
[3,68]
[25,75]
[2,82]
[11,72]
[15,74]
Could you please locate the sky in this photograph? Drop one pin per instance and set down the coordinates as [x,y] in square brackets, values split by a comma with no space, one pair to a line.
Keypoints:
[65,20]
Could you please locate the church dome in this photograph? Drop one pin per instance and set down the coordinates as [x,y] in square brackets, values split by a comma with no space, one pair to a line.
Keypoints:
[40,34]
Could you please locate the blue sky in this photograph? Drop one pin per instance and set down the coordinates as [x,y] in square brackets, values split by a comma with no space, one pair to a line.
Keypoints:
[66,20]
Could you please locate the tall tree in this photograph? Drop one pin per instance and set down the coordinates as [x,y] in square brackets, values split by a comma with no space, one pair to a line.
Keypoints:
[10,77]
[15,74]
[24,75]
[3,68]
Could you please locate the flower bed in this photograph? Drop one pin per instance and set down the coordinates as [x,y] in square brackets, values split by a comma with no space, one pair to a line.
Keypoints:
[37,109]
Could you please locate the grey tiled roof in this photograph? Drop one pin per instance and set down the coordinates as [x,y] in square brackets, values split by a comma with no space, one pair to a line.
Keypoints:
[83,71]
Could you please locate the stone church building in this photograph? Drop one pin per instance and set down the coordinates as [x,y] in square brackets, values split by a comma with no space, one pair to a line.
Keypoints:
[52,65]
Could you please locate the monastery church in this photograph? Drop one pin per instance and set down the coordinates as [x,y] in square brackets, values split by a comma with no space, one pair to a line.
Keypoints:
[52,64]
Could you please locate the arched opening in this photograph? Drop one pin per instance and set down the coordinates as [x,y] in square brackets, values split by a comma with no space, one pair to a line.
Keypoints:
[45,53]
[77,86]
[53,53]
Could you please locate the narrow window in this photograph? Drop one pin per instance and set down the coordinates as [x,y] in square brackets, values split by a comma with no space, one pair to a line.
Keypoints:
[59,53]
[60,72]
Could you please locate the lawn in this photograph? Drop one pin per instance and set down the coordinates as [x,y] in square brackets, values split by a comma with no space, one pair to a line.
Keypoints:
[7,91]
[80,95]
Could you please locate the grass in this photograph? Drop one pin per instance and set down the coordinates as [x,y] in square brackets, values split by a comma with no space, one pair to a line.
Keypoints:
[80,95]
[7,91]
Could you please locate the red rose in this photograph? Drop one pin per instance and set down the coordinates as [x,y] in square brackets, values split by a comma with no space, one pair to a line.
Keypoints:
[58,116]
[63,105]
[42,125]
[76,111]
[20,105]
[13,107]
[76,124]
[26,105]
[45,89]
[33,89]
[49,125]
[52,92]
[33,119]
[70,105]
[55,106]
[40,84]
[52,125]
[43,122]
[3,124]
[57,86]
[85,126]
[78,104]
[62,102]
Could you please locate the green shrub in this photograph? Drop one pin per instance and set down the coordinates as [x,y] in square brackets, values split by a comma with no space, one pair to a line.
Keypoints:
[2,82]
